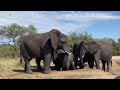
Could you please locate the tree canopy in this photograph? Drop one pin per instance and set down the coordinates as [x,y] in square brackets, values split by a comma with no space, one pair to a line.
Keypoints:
[13,34]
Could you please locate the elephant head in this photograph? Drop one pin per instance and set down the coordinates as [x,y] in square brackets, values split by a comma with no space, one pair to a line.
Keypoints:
[58,40]
[76,52]
[90,47]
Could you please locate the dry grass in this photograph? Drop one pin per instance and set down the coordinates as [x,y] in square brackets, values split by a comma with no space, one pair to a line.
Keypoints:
[11,69]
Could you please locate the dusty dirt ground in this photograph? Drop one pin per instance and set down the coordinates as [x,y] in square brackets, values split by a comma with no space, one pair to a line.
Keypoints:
[10,69]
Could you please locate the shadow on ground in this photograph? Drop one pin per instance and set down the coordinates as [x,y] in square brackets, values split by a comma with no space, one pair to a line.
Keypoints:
[33,68]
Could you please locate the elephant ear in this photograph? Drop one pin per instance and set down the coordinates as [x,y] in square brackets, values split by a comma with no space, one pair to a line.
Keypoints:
[54,35]
[94,47]
[85,44]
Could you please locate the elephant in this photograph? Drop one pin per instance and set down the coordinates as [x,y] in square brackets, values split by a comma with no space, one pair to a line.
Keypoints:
[100,50]
[63,60]
[42,46]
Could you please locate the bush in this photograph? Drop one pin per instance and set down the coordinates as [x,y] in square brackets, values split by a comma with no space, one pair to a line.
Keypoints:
[7,51]
[73,37]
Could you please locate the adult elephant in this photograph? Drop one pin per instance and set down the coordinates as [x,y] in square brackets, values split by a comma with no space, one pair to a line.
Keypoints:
[100,50]
[42,46]
[63,60]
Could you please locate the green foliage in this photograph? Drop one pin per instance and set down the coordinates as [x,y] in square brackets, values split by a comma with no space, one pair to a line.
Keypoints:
[7,51]
[116,48]
[73,37]
[115,45]
[14,33]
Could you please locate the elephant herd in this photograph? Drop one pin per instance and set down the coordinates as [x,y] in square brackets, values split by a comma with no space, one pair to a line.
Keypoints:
[52,46]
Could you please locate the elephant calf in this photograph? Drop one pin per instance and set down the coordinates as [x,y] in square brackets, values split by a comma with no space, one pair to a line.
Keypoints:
[63,60]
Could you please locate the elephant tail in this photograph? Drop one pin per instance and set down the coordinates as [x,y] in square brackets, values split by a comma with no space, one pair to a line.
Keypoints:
[21,59]
[23,53]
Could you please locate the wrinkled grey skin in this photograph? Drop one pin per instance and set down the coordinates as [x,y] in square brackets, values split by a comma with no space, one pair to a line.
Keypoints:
[63,61]
[101,51]
[41,46]
[105,54]
[70,61]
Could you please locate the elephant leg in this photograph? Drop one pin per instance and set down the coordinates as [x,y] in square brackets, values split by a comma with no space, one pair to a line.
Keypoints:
[97,61]
[64,64]
[108,66]
[59,68]
[103,65]
[55,67]
[75,64]
[67,64]
[39,68]
[72,65]
[47,62]
[97,64]
[81,64]
[91,63]
[27,66]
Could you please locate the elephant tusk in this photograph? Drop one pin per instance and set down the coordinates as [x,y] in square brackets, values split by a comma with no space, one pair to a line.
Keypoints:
[67,52]
[83,56]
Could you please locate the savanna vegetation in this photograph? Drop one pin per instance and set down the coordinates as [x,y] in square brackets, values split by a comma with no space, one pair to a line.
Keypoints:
[13,34]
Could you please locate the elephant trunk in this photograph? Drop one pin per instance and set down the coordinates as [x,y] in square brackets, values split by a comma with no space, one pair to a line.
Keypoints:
[67,52]
[111,63]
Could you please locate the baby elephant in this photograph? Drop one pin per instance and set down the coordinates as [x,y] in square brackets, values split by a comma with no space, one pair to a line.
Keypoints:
[63,61]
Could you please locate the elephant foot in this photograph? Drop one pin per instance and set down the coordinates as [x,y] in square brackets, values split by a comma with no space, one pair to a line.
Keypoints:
[97,67]
[39,69]
[81,67]
[103,69]
[47,71]
[107,70]
[73,68]
[29,71]
[91,67]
